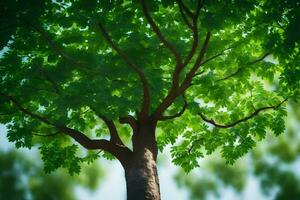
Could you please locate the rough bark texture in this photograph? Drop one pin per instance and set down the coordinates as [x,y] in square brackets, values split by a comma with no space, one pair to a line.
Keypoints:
[141,171]
[142,179]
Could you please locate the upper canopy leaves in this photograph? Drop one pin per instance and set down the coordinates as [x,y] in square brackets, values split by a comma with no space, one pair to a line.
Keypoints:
[60,65]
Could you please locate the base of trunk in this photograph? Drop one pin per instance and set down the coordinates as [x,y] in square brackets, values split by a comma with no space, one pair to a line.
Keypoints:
[142,179]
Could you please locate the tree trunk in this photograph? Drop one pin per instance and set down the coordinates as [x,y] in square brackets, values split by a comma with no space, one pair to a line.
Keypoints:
[140,171]
[141,178]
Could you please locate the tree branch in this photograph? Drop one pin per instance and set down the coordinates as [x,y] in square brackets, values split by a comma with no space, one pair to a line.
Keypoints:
[156,30]
[114,136]
[188,79]
[212,58]
[194,28]
[198,74]
[46,135]
[182,12]
[186,82]
[164,118]
[58,50]
[86,141]
[25,111]
[118,151]
[217,55]
[241,68]
[199,6]
[133,66]
[195,33]
[129,120]
[177,90]
[232,124]
[189,13]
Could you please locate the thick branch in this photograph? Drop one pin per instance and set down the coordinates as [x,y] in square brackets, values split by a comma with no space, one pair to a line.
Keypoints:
[159,34]
[86,141]
[133,66]
[188,79]
[232,124]
[119,151]
[177,90]
[194,28]
[129,120]
[241,68]
[174,92]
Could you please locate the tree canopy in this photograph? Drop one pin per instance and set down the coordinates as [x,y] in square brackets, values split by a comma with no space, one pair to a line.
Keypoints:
[215,75]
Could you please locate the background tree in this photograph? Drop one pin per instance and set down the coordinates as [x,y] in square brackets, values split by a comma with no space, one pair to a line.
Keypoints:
[23,178]
[187,73]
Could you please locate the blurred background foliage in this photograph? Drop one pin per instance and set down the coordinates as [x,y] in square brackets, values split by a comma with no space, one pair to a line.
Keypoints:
[274,163]
[22,178]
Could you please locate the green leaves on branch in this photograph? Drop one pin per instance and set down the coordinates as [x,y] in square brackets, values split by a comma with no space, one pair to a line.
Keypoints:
[55,156]
[199,139]
[186,155]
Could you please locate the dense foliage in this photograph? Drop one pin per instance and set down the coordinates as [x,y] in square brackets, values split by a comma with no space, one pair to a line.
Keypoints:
[77,68]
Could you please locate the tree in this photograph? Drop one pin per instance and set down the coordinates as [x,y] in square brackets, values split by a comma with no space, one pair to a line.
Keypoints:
[197,75]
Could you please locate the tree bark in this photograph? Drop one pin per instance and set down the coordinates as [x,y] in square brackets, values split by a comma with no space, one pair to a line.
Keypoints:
[142,179]
[140,171]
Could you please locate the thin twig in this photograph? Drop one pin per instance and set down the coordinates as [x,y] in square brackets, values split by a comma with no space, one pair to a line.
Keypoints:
[57,49]
[46,135]
[242,67]
[232,124]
